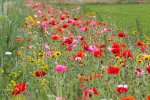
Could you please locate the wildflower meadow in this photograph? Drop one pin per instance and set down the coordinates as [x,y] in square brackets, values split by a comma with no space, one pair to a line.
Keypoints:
[48,52]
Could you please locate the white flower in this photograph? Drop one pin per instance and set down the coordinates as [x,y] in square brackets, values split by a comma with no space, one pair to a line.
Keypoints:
[8,53]
[78,58]
[125,86]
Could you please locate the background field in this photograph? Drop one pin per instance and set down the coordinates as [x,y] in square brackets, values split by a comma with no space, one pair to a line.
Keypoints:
[124,15]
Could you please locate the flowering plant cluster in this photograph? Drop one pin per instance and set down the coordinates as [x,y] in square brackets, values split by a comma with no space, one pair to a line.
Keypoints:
[68,56]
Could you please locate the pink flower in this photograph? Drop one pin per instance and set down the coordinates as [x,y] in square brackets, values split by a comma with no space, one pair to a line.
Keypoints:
[44,26]
[139,72]
[104,30]
[75,41]
[60,68]
[46,47]
[92,23]
[78,8]
[40,12]
[110,48]
[70,21]
[79,37]
[84,29]
[60,98]
[30,47]
[92,48]
[48,53]
[69,48]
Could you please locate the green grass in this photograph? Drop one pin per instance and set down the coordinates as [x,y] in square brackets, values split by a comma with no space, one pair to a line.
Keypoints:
[124,15]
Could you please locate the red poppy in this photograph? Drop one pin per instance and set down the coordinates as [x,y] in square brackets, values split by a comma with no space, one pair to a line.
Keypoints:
[67,16]
[148,98]
[148,68]
[80,54]
[45,19]
[76,24]
[116,49]
[62,18]
[103,24]
[113,70]
[60,29]
[94,91]
[72,31]
[143,48]
[19,88]
[90,91]
[87,23]
[95,76]
[142,45]
[124,45]
[69,40]
[83,78]
[19,39]
[115,45]
[128,98]
[28,40]
[65,26]
[98,53]
[110,40]
[75,19]
[121,34]
[139,43]
[127,54]
[122,89]
[40,73]
[55,37]
[86,47]
[53,22]
[102,46]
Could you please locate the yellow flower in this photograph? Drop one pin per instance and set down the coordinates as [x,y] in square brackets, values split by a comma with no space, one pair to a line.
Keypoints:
[117,58]
[115,65]
[28,57]
[134,32]
[8,86]
[140,61]
[139,56]
[22,47]
[40,61]
[32,73]
[148,42]
[53,55]
[13,82]
[44,67]
[57,53]
[32,60]
[40,54]
[30,19]
[147,57]
[19,53]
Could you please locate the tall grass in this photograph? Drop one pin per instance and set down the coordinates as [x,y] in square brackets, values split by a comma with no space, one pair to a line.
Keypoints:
[12,18]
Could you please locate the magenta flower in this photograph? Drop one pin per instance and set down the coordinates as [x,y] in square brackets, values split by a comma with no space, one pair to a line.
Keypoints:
[92,48]
[92,23]
[60,68]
